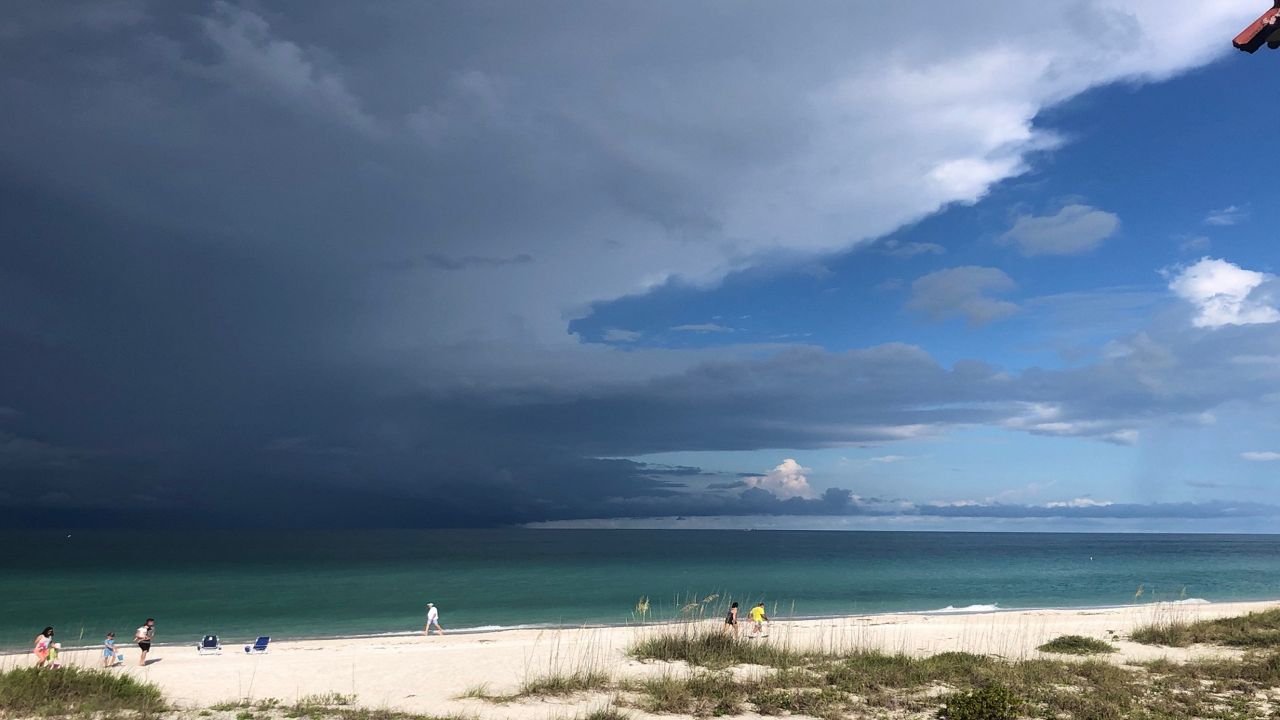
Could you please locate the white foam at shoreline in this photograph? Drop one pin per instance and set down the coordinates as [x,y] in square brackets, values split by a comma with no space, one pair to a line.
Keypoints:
[965,609]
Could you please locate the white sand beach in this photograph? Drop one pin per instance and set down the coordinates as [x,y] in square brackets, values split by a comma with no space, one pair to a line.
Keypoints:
[430,674]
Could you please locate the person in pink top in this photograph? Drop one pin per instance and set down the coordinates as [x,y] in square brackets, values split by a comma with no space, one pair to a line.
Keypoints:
[44,641]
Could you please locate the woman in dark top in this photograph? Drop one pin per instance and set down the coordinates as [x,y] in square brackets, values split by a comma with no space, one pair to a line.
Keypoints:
[731,620]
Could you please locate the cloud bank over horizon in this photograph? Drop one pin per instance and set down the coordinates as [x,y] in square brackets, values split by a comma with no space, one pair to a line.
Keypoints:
[343,261]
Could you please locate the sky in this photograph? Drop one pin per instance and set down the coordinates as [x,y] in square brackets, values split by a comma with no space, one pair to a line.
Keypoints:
[606,264]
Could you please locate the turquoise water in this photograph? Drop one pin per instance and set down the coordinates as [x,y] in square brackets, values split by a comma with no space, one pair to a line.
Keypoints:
[321,583]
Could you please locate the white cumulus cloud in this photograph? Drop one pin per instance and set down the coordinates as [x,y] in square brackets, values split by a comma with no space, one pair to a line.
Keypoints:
[785,481]
[1261,455]
[1224,293]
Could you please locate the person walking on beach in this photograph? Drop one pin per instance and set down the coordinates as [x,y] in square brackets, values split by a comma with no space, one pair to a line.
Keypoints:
[44,643]
[109,650]
[433,619]
[731,620]
[758,619]
[143,636]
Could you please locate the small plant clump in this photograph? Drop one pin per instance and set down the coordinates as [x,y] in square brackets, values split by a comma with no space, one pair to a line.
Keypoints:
[564,683]
[477,692]
[990,702]
[1077,645]
[1167,633]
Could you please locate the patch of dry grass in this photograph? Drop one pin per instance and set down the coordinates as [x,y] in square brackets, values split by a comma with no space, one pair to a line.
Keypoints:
[1255,630]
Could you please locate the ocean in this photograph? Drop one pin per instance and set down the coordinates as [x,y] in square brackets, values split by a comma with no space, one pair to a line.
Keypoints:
[306,584]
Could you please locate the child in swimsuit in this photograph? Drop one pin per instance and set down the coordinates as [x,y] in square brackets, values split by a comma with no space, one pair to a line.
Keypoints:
[109,650]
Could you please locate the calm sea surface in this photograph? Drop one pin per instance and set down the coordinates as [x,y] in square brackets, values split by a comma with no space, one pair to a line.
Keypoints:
[292,584]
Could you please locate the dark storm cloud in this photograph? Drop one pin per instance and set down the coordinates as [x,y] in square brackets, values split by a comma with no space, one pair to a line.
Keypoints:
[444,262]
[200,201]
[809,398]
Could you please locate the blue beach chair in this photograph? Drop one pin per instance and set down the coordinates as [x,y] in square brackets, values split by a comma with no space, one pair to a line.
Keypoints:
[209,646]
[259,645]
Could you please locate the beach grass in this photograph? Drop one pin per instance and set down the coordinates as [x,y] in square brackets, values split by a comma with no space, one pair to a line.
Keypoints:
[957,688]
[1254,630]
[712,648]
[606,713]
[554,684]
[565,683]
[73,691]
[324,706]
[1077,645]
[479,691]
[699,693]
[1166,633]
[318,712]
[953,686]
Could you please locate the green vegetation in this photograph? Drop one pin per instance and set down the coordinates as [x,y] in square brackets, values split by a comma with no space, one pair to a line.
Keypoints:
[954,686]
[564,683]
[714,649]
[700,693]
[990,702]
[608,712]
[478,692]
[552,684]
[868,682]
[322,712]
[1255,630]
[327,706]
[1076,645]
[1254,669]
[71,691]
[1170,633]
[871,673]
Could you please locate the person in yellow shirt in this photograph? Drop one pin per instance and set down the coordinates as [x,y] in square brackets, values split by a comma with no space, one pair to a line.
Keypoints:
[758,619]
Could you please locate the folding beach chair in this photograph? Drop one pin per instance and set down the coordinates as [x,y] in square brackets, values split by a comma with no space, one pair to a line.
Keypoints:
[209,646]
[259,645]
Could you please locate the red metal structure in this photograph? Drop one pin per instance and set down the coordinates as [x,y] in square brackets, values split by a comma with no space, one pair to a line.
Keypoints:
[1265,29]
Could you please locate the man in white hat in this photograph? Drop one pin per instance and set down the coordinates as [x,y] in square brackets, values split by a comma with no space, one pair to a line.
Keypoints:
[433,618]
